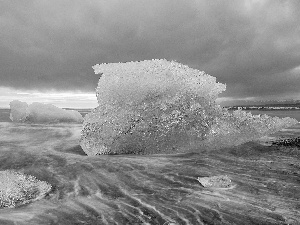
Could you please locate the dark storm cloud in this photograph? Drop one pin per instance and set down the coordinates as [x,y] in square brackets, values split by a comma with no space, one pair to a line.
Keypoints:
[253,46]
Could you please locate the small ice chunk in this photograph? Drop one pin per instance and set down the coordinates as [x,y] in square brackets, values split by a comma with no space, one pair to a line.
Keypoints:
[18,110]
[18,188]
[41,113]
[215,181]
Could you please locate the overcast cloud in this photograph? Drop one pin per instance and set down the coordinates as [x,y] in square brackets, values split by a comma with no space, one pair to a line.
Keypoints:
[251,45]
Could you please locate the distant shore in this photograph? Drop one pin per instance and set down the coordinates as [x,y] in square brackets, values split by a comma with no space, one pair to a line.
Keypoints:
[262,108]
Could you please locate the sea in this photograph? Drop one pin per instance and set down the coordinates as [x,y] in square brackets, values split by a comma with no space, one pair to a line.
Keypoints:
[151,189]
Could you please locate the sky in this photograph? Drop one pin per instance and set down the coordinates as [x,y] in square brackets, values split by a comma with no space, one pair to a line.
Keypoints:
[48,48]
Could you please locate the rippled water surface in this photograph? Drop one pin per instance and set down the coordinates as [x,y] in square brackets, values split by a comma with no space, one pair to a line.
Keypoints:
[156,189]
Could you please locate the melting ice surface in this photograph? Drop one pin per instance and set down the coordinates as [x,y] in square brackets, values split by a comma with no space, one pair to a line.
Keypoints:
[157,106]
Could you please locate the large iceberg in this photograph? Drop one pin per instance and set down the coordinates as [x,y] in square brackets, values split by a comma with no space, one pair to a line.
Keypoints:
[157,106]
[41,113]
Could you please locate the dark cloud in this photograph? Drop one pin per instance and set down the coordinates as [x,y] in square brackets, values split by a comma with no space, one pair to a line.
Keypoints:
[252,45]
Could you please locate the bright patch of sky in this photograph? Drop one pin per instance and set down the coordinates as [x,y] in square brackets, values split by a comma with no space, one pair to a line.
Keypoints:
[60,99]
